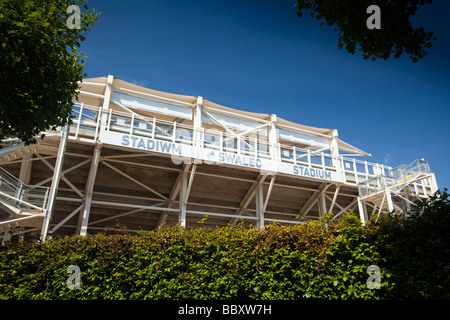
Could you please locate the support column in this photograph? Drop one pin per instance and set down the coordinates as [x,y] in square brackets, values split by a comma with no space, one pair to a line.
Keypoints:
[389,199]
[83,218]
[48,213]
[273,138]
[259,206]
[362,214]
[197,134]
[323,204]
[185,189]
[182,200]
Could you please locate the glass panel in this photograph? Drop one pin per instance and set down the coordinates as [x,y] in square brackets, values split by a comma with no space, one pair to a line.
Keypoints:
[328,161]
[234,123]
[348,165]
[183,135]
[360,167]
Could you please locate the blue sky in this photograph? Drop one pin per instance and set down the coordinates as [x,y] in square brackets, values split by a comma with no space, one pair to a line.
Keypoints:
[259,56]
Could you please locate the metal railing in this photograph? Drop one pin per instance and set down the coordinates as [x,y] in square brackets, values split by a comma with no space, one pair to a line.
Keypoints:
[87,121]
[406,172]
[375,183]
[16,190]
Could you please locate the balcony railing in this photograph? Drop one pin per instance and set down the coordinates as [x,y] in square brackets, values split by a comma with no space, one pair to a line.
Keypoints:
[88,121]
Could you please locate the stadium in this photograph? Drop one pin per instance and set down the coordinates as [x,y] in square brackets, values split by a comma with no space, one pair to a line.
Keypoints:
[138,159]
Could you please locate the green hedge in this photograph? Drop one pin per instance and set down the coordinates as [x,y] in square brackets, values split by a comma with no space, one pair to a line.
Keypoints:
[325,259]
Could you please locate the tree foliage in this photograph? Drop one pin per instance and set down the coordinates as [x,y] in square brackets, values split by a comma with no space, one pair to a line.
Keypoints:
[40,65]
[416,247]
[396,36]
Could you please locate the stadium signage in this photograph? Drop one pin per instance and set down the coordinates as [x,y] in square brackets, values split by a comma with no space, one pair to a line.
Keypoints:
[308,172]
[151,144]
[210,156]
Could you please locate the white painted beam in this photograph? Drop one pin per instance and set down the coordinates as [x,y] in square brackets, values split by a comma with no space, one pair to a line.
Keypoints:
[62,177]
[83,220]
[67,218]
[182,202]
[389,199]
[55,183]
[349,206]
[313,199]
[115,216]
[269,192]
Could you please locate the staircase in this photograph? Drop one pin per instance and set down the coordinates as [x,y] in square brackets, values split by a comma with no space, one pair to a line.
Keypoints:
[21,205]
[379,188]
[415,171]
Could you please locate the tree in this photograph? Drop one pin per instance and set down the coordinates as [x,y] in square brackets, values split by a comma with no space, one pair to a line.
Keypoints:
[395,35]
[416,249]
[40,64]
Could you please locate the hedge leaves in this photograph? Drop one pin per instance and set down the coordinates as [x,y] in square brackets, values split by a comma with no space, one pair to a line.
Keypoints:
[324,260]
